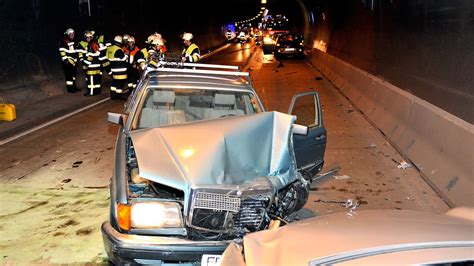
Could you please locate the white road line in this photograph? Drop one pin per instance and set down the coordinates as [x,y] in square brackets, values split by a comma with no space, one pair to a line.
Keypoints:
[24,133]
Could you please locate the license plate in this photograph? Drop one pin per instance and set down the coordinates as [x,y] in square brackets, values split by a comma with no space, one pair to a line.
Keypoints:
[289,49]
[210,260]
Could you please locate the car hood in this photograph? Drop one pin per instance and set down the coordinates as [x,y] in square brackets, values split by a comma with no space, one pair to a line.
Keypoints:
[330,239]
[226,151]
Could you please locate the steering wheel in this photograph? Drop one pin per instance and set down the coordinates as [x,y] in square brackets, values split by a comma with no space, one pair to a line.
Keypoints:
[226,115]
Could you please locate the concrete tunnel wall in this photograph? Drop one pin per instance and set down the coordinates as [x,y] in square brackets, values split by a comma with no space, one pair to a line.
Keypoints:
[408,67]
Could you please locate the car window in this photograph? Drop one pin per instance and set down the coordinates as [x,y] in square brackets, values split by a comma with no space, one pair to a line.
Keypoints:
[161,107]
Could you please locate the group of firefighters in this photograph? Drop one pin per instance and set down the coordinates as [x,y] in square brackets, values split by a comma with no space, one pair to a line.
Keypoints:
[122,60]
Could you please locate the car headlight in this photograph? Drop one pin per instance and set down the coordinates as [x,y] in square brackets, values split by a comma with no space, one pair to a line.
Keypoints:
[156,215]
[150,215]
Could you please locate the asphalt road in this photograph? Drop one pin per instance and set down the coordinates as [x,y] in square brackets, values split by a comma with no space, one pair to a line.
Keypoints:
[55,180]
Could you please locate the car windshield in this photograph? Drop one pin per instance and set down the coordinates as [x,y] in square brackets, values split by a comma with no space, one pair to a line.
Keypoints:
[161,107]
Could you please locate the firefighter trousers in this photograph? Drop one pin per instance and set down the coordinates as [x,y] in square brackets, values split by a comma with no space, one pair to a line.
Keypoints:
[94,84]
[118,88]
[70,74]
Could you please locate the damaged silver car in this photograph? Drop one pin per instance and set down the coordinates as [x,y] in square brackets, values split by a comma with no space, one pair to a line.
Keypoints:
[199,162]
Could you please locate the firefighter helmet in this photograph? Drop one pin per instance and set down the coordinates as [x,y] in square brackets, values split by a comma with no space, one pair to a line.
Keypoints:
[118,38]
[157,40]
[125,38]
[68,31]
[187,36]
[89,33]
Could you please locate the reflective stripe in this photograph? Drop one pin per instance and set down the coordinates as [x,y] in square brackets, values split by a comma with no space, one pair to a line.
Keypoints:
[118,59]
[94,65]
[130,84]
[93,72]
[106,63]
[93,54]
[119,76]
[91,86]
[141,60]
[119,69]
[113,89]
[86,62]
[69,82]
[66,50]
[103,58]
[64,58]
[118,91]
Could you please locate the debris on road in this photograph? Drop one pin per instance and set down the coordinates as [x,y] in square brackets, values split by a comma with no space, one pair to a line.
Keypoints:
[342,177]
[372,146]
[404,165]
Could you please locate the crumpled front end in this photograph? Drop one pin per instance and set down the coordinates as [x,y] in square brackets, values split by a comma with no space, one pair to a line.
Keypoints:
[215,180]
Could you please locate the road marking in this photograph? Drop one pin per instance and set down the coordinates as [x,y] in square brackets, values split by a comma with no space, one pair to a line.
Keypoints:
[24,133]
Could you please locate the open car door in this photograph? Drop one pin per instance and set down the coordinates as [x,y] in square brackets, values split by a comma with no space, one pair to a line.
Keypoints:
[309,149]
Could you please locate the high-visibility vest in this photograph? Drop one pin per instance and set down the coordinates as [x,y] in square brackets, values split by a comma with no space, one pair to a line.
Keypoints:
[192,53]
[67,51]
[118,62]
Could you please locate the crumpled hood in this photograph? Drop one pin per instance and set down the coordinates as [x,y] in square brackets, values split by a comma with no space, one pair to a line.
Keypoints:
[226,151]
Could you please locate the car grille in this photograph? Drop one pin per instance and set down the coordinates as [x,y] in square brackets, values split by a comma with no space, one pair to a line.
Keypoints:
[221,212]
[219,202]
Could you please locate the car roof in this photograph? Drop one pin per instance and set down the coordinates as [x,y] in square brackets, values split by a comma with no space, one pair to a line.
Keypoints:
[340,237]
[199,79]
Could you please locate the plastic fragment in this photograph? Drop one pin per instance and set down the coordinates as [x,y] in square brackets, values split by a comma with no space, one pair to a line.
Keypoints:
[404,165]
[341,177]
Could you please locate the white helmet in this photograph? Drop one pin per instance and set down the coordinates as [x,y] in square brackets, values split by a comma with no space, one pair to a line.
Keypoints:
[187,36]
[125,37]
[157,41]
[89,33]
[69,31]
[118,38]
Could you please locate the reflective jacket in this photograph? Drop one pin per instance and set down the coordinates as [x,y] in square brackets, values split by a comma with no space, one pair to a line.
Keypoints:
[92,59]
[192,53]
[81,50]
[118,62]
[141,58]
[67,51]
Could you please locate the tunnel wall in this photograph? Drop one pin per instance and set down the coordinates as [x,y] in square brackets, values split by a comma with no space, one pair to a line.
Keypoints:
[379,63]
[421,46]
[30,68]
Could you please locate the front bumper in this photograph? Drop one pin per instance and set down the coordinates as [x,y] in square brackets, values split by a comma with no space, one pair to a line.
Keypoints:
[126,248]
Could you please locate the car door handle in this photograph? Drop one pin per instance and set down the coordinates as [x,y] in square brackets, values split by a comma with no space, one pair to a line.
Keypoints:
[320,137]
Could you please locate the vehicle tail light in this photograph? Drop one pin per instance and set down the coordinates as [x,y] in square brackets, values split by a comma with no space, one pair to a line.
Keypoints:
[123,216]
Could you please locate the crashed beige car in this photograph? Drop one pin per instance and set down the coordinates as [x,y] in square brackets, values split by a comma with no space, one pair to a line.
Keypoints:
[369,237]
[199,162]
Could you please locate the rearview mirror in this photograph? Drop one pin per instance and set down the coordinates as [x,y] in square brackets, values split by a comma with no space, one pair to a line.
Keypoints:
[300,130]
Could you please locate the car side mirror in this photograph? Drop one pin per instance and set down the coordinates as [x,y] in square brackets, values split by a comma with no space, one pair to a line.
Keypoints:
[300,129]
[116,118]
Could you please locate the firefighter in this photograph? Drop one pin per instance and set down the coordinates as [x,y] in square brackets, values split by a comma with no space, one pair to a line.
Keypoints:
[118,68]
[69,59]
[191,51]
[93,69]
[105,64]
[82,47]
[133,53]
[228,35]
[156,51]
[125,38]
